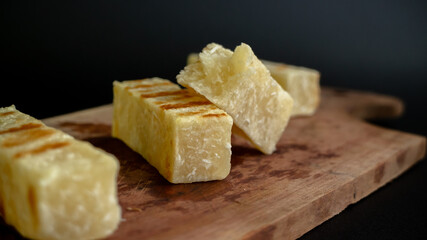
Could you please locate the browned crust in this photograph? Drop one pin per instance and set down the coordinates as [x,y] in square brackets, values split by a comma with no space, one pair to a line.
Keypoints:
[22,128]
[191,113]
[149,85]
[43,148]
[6,113]
[27,136]
[215,115]
[185,105]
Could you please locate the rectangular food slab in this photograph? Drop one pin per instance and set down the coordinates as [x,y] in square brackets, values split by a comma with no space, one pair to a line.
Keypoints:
[322,164]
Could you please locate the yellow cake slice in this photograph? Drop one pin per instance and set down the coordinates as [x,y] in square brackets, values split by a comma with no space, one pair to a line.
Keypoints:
[241,85]
[182,134]
[53,186]
[303,84]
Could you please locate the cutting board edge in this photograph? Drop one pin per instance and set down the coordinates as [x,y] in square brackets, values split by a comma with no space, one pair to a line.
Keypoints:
[351,197]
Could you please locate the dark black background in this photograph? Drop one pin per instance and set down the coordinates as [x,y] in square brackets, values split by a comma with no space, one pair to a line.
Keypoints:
[62,56]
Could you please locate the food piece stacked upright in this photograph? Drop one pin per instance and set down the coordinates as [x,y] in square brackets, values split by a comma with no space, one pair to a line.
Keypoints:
[53,186]
[185,133]
[303,84]
[179,132]
[241,85]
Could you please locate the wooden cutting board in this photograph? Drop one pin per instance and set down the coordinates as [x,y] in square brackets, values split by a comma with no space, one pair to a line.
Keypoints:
[322,164]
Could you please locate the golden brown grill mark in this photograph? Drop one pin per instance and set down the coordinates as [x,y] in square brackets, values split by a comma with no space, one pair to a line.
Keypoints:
[27,136]
[43,148]
[182,97]
[215,115]
[6,113]
[149,85]
[143,90]
[163,94]
[21,128]
[176,98]
[191,113]
[185,105]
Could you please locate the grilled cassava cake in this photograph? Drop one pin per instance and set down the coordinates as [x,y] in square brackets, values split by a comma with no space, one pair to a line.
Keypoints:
[303,84]
[241,85]
[177,131]
[53,186]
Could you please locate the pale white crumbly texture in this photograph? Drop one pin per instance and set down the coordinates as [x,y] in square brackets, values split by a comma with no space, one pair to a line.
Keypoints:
[183,135]
[241,85]
[303,84]
[53,186]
